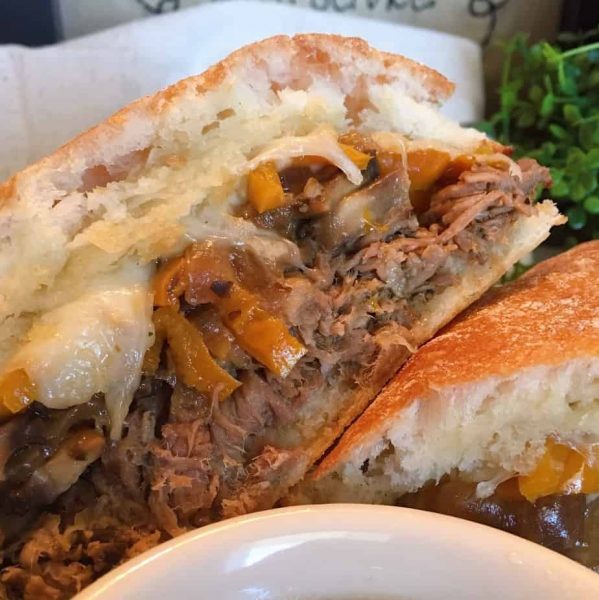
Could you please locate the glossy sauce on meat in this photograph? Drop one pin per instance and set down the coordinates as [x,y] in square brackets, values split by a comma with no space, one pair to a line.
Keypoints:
[565,523]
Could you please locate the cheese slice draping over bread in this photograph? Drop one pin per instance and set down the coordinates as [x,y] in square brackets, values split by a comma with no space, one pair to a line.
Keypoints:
[198,295]
[496,419]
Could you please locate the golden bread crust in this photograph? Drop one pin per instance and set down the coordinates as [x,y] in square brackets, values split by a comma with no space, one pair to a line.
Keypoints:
[547,317]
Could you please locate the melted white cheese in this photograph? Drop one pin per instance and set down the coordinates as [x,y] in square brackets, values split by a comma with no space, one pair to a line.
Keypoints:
[322,142]
[93,344]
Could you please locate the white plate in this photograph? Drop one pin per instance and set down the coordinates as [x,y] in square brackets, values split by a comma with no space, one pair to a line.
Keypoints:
[347,552]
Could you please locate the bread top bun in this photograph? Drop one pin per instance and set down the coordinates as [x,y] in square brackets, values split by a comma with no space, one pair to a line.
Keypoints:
[548,319]
[348,67]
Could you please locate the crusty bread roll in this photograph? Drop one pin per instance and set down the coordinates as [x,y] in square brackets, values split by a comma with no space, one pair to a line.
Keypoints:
[482,398]
[269,315]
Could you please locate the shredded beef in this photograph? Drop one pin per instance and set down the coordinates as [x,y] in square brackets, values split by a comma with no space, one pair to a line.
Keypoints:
[265,472]
[184,482]
[57,559]
[483,189]
[187,459]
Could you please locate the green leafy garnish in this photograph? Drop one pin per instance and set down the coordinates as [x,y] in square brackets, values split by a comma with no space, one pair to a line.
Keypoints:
[549,110]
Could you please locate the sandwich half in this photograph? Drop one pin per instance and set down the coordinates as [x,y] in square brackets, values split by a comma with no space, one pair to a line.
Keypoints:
[496,419]
[198,295]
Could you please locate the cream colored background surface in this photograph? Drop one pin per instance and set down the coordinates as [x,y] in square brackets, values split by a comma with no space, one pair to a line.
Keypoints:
[475,19]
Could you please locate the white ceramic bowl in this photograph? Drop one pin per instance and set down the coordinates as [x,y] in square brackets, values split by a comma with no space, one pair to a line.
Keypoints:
[347,552]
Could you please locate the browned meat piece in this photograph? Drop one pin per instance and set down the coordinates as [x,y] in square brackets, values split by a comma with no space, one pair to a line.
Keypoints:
[263,472]
[369,214]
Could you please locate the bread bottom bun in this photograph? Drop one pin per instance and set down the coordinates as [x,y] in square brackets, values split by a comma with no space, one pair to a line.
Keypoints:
[487,431]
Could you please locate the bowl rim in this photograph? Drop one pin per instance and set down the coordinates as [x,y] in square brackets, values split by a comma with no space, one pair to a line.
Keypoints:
[335,516]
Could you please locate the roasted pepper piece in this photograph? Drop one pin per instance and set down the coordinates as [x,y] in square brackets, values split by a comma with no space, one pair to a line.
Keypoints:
[209,278]
[193,363]
[152,355]
[492,147]
[590,474]
[261,335]
[17,391]
[425,167]
[169,282]
[546,478]
[389,162]
[360,159]
[264,188]
[561,470]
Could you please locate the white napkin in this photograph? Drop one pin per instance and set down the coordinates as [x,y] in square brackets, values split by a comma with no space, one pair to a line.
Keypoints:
[48,95]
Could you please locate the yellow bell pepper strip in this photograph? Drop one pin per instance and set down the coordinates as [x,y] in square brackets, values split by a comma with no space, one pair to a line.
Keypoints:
[264,188]
[360,159]
[151,360]
[561,470]
[17,392]
[190,355]
[263,336]
[210,277]
[169,282]
[425,167]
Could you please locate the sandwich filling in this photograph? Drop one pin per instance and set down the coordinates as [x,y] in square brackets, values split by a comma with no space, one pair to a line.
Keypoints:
[250,358]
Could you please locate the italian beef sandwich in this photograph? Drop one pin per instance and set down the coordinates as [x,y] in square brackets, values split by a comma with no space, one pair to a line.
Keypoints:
[496,419]
[198,295]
